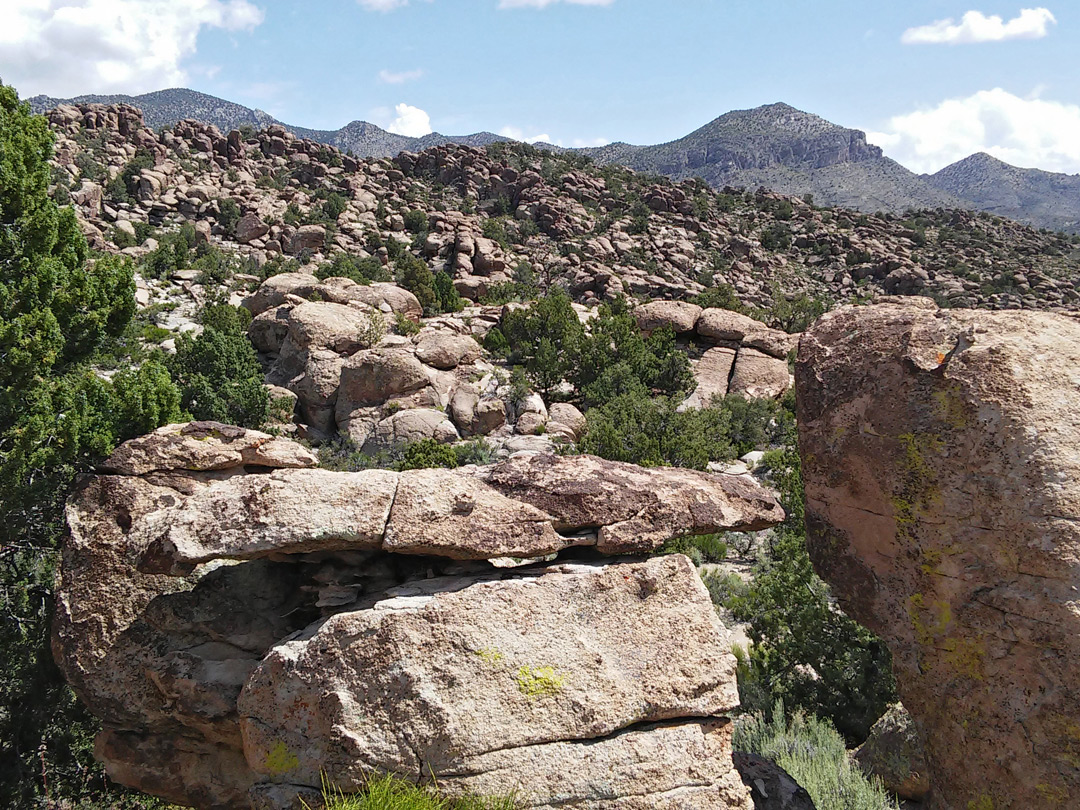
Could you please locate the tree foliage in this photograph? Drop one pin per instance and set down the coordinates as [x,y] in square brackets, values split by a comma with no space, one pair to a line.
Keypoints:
[608,360]
[57,417]
[219,374]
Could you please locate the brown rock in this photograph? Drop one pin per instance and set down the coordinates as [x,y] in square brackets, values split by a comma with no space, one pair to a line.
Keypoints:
[250,228]
[307,237]
[941,458]
[894,754]
[771,787]
[372,377]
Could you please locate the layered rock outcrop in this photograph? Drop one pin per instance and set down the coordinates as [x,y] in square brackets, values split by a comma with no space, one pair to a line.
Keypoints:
[244,623]
[941,454]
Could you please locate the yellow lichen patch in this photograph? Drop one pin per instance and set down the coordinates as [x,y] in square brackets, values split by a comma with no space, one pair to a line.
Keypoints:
[984,802]
[1053,796]
[489,655]
[280,759]
[918,482]
[950,408]
[966,656]
[930,622]
[539,681]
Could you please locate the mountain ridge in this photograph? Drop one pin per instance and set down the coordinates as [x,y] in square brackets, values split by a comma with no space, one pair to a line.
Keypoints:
[775,146]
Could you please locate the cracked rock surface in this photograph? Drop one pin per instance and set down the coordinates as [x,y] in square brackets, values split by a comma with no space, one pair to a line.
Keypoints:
[243,622]
[942,471]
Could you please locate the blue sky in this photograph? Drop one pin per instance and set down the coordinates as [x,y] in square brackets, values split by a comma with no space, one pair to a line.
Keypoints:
[588,71]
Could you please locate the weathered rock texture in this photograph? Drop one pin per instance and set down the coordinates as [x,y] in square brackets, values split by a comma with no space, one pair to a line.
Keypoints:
[941,453]
[243,623]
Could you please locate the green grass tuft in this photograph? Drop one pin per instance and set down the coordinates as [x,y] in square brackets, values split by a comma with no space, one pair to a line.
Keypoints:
[391,792]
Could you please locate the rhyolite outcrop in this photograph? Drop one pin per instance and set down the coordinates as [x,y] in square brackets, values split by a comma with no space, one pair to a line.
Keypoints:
[246,624]
[941,455]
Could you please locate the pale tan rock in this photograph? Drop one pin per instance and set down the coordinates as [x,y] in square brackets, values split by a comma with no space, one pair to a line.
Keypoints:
[444,351]
[445,513]
[273,291]
[725,326]
[678,316]
[637,509]
[712,372]
[325,325]
[942,465]
[566,421]
[756,375]
[487,669]
[668,767]
[249,516]
[204,446]
[412,425]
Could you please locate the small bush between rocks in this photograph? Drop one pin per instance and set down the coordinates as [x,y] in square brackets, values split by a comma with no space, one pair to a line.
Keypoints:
[813,753]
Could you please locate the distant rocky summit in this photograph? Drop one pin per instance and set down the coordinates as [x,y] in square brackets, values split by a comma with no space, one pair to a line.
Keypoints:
[1030,195]
[246,626]
[940,455]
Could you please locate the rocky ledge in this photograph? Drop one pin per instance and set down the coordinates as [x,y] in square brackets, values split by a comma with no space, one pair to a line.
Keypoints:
[244,624]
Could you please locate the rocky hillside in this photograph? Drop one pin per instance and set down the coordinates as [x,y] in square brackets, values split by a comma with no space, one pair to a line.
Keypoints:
[1042,198]
[511,218]
[165,108]
[775,146]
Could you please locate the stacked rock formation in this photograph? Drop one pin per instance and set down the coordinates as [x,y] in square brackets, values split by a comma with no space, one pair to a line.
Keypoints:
[245,624]
[745,357]
[942,464]
[327,342]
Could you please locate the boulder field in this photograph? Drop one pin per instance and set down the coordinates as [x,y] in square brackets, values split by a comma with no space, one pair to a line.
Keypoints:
[941,456]
[246,624]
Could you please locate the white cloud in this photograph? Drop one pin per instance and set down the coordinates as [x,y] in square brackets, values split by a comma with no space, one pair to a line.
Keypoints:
[1032,23]
[390,77]
[382,5]
[546,3]
[411,121]
[71,47]
[1027,132]
[519,135]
